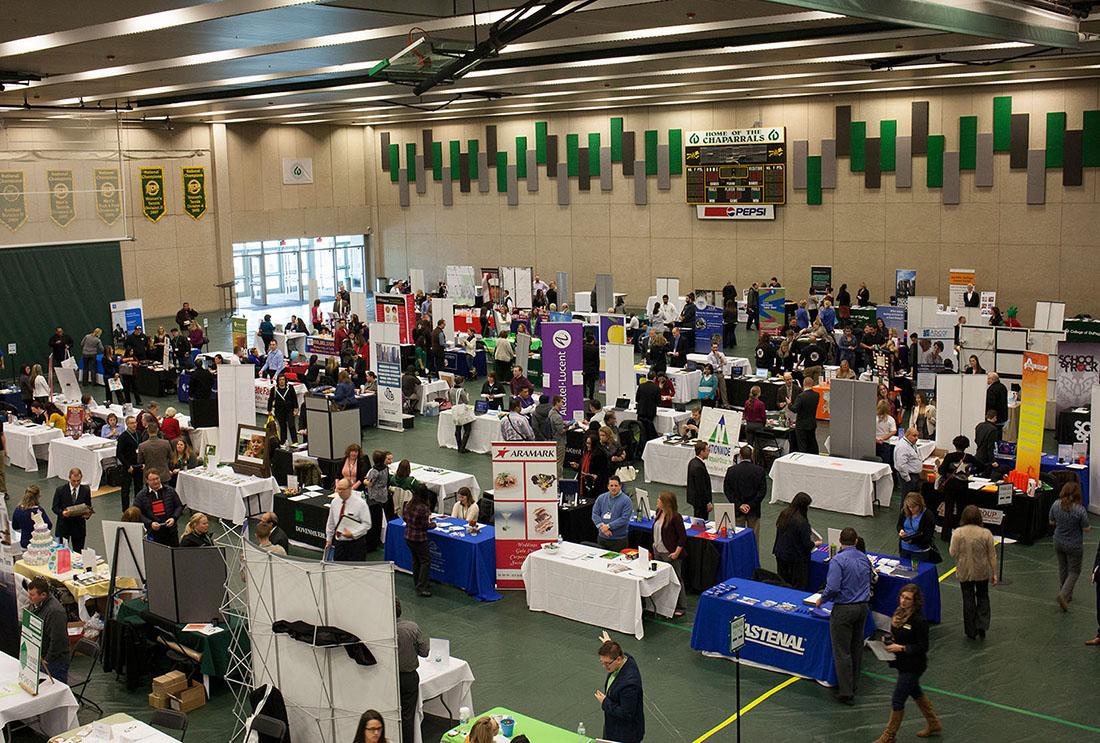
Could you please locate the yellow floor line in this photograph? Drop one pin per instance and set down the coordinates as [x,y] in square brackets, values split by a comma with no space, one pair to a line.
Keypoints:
[746,708]
[948,574]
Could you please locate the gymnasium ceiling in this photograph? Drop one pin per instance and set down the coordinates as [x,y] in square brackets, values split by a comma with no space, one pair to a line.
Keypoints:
[300,62]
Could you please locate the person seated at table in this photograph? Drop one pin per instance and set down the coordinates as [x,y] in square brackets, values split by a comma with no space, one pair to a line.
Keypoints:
[312,375]
[274,363]
[916,529]
[611,515]
[355,466]
[131,515]
[372,728]
[54,651]
[370,382]
[592,467]
[794,542]
[410,390]
[484,730]
[344,395]
[670,541]
[886,427]
[54,417]
[666,389]
[331,374]
[89,425]
[22,518]
[689,429]
[526,402]
[181,458]
[72,505]
[197,533]
[465,507]
[263,539]
[845,371]
[112,429]
[708,387]
[519,382]
[170,425]
[160,508]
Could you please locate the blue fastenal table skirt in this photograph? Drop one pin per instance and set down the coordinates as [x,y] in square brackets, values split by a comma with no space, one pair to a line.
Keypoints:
[469,562]
[887,588]
[708,560]
[795,642]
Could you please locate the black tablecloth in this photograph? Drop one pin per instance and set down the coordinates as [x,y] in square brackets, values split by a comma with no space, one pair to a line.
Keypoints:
[1073,426]
[1026,520]
[155,383]
[701,563]
[575,522]
[739,387]
[304,521]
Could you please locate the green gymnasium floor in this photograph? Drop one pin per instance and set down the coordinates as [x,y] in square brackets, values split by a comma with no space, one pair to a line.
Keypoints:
[1031,680]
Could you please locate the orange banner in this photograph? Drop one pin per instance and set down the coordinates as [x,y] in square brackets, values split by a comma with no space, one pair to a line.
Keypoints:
[1033,403]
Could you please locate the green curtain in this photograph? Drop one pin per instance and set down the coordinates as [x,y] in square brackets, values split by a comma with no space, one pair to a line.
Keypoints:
[43,287]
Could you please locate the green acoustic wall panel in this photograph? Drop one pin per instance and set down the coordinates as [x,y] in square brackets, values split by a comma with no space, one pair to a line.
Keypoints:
[617,139]
[437,161]
[521,157]
[1056,134]
[473,146]
[968,142]
[410,160]
[540,142]
[593,153]
[651,152]
[888,138]
[936,145]
[858,160]
[1091,145]
[813,180]
[502,172]
[572,154]
[456,150]
[395,157]
[675,151]
[1002,123]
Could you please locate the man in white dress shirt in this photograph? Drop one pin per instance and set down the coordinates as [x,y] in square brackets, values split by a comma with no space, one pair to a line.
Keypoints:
[908,463]
[348,524]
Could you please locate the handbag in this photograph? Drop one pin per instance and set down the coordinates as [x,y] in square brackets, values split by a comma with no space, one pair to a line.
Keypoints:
[627,473]
[463,414]
[934,554]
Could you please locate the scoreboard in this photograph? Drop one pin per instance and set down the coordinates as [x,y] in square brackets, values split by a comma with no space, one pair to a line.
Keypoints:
[736,166]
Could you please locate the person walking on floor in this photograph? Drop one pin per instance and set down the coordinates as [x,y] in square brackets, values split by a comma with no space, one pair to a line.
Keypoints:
[1096,583]
[909,644]
[804,407]
[745,485]
[907,462]
[976,557]
[348,523]
[670,541]
[848,586]
[1070,521]
[698,482]
[621,699]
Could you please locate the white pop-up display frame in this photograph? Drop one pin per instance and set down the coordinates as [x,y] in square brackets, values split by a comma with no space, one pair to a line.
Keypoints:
[236,405]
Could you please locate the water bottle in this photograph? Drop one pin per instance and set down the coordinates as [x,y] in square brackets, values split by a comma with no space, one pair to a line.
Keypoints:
[582,737]
[463,715]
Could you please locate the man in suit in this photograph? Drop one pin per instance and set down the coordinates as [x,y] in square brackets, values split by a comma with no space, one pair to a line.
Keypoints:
[745,485]
[698,481]
[804,408]
[278,536]
[687,322]
[646,399]
[71,519]
[621,698]
[996,398]
[677,349]
[971,298]
[160,510]
[986,435]
[126,452]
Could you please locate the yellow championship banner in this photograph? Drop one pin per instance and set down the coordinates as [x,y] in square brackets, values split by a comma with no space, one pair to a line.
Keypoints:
[13,199]
[1033,403]
[152,193]
[194,191]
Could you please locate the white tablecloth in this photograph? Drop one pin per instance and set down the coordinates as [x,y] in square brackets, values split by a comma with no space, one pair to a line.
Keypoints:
[430,391]
[287,342]
[66,453]
[52,712]
[263,392]
[22,441]
[668,420]
[443,686]
[486,430]
[732,362]
[444,483]
[835,484]
[668,463]
[685,382]
[235,501]
[101,411]
[120,724]
[585,590]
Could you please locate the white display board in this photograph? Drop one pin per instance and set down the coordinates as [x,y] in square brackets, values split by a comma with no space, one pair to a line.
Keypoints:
[1049,315]
[236,405]
[461,283]
[977,340]
[960,407]
[921,312]
[582,301]
[381,332]
[667,285]
[359,306]
[128,313]
[620,379]
[721,429]
[516,280]
[444,309]
[416,280]
[66,379]
[131,560]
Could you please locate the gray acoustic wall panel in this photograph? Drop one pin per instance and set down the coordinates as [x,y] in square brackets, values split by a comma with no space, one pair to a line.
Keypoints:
[843,130]
[584,177]
[464,172]
[483,172]
[640,192]
[852,419]
[426,136]
[800,150]
[448,187]
[903,162]
[1036,176]
[606,181]
[983,170]
[513,186]
[403,186]
[919,128]
[532,172]
[563,185]
[950,178]
[628,153]
[384,140]
[1072,157]
[664,180]
[421,180]
[1017,156]
[551,155]
[828,163]
[872,164]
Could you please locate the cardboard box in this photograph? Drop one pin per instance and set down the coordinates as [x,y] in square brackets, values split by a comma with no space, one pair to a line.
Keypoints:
[170,683]
[188,699]
[158,701]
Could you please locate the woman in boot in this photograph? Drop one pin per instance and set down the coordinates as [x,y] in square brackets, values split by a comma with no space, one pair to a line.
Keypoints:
[909,644]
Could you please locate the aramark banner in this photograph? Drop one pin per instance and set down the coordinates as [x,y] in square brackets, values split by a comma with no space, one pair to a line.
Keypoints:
[525,489]
[562,363]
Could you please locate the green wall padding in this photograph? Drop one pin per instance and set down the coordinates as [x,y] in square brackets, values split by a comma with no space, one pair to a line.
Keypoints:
[1002,123]
[617,139]
[968,142]
[858,159]
[936,143]
[395,159]
[1056,131]
[651,152]
[437,161]
[410,160]
[502,172]
[456,150]
[521,157]
[813,180]
[473,146]
[1091,136]
[540,142]
[675,151]
[593,153]
[572,154]
[888,146]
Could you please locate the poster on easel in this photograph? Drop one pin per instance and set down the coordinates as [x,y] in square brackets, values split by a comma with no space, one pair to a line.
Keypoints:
[525,498]
[721,429]
[957,281]
[30,652]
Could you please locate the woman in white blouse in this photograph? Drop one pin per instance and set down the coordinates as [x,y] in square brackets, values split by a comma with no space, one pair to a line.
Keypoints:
[885,429]
[465,508]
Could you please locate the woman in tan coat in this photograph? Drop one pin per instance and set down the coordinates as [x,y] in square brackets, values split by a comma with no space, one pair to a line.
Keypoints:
[973,550]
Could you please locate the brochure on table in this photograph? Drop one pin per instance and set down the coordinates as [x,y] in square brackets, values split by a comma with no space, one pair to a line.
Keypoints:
[721,429]
[525,498]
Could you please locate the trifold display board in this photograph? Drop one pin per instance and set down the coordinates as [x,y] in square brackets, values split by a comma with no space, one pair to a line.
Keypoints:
[236,405]
[620,378]
[666,286]
[461,283]
[922,312]
[960,407]
[1049,315]
[185,584]
[852,419]
[516,280]
[444,309]
[978,340]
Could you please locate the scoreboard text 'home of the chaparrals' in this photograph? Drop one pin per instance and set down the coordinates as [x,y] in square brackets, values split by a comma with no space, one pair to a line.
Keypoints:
[736,166]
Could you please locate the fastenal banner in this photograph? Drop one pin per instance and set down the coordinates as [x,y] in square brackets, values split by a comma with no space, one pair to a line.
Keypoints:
[152,193]
[194,191]
[62,200]
[13,200]
[108,195]
[1033,403]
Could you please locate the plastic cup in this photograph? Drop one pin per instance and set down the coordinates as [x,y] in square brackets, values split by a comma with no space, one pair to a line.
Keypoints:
[507,727]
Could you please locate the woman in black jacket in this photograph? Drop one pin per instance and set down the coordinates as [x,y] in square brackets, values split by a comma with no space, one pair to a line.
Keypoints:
[908,641]
[954,478]
[590,369]
[916,530]
[592,468]
[794,542]
[110,369]
[282,401]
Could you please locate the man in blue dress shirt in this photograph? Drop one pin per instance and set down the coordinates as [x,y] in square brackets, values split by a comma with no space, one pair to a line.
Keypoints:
[848,586]
[611,515]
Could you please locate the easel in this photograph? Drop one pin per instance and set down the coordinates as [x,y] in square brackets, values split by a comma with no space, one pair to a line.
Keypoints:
[120,535]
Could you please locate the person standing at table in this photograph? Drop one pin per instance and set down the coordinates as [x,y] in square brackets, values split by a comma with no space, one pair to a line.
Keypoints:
[745,485]
[54,652]
[155,451]
[976,557]
[996,398]
[646,400]
[804,407]
[347,525]
[160,508]
[670,541]
[611,515]
[412,645]
[126,452]
[72,520]
[503,355]
[907,462]
[90,347]
[621,698]
[848,586]
[794,542]
[1070,521]
[417,514]
[916,530]
[698,482]
[590,365]
[909,644]
[955,470]
[678,349]
[61,344]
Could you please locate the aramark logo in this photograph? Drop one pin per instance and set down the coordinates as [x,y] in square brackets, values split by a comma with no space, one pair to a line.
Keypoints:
[1035,366]
[773,638]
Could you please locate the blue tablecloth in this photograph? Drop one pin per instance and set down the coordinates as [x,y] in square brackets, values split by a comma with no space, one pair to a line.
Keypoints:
[737,556]
[885,600]
[469,562]
[459,362]
[1050,463]
[98,364]
[795,641]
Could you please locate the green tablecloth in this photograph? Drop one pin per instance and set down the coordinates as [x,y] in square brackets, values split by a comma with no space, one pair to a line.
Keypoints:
[214,648]
[537,731]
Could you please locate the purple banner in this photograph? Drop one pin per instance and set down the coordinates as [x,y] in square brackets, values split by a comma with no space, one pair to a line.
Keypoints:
[561,363]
